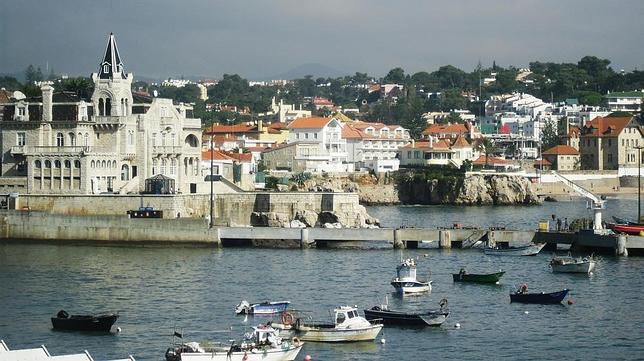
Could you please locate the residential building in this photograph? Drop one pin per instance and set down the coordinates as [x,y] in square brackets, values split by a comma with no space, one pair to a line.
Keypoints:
[58,143]
[562,157]
[437,152]
[285,113]
[374,145]
[452,131]
[322,103]
[610,143]
[625,101]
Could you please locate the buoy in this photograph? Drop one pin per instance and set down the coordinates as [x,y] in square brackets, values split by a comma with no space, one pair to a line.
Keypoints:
[118,329]
[425,255]
[570,301]
[307,358]
[457,325]
[382,341]
[526,312]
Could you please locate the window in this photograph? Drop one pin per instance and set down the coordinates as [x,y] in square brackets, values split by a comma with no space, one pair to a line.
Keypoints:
[610,142]
[21,111]
[409,154]
[297,135]
[130,137]
[154,139]
[21,138]
[106,68]
[315,135]
[60,140]
[37,164]
[164,112]
[77,164]
[173,166]
[306,135]
[86,139]
[47,163]
[164,163]
[154,166]
[68,164]
[340,318]
[93,164]
[56,164]
[72,139]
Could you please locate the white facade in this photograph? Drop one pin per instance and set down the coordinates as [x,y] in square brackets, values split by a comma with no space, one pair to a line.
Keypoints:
[625,101]
[375,145]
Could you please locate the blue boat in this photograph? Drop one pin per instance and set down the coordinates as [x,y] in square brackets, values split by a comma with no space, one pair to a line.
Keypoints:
[522,296]
[264,308]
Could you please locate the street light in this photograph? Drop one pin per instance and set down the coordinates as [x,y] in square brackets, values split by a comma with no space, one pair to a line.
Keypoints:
[212,166]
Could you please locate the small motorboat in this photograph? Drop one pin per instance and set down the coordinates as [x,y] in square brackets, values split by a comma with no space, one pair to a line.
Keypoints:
[406,280]
[464,276]
[568,264]
[347,326]
[423,318]
[631,229]
[65,321]
[263,344]
[263,308]
[530,250]
[521,295]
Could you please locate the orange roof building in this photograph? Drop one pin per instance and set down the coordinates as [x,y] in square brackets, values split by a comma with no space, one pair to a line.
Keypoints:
[610,143]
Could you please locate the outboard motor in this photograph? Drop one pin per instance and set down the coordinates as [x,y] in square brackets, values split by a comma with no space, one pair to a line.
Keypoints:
[62,314]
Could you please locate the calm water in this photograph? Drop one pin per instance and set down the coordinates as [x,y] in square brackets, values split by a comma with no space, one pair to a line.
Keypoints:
[157,289]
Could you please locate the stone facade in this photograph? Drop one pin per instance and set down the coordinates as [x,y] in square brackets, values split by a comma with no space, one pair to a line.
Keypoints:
[63,144]
[610,143]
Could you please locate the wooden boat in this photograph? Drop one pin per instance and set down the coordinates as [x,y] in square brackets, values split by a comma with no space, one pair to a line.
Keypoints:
[65,321]
[632,229]
[392,317]
[347,326]
[530,250]
[464,276]
[264,344]
[522,296]
[567,264]
[264,308]
[406,280]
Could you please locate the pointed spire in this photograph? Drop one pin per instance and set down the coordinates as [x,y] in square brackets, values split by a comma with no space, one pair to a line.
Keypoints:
[111,61]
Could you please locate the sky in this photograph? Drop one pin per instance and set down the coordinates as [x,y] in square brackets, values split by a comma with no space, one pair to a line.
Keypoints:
[264,38]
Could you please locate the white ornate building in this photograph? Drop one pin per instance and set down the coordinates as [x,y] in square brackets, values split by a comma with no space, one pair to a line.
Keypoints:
[61,144]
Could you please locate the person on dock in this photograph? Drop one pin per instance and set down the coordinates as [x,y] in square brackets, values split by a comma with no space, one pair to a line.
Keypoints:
[565,224]
[558,224]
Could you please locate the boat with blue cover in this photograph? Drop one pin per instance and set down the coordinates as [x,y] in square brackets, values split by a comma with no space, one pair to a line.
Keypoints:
[263,308]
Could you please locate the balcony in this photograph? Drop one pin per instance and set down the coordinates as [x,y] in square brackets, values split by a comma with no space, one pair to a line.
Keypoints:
[71,150]
[107,120]
[167,149]
[194,123]
[18,149]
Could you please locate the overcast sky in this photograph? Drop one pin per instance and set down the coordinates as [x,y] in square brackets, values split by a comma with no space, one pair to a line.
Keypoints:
[262,38]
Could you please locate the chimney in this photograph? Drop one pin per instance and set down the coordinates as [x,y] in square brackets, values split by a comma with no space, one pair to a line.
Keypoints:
[47,100]
[431,141]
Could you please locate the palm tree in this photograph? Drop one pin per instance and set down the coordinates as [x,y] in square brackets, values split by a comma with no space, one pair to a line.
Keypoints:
[488,147]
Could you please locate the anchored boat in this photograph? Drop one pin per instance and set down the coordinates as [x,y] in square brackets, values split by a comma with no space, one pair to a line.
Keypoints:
[263,344]
[264,308]
[403,318]
[406,280]
[65,321]
[568,264]
[530,250]
[522,296]
[347,326]
[464,276]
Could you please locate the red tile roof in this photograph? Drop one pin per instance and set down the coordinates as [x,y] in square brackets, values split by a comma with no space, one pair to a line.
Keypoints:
[461,142]
[436,129]
[216,155]
[605,126]
[491,160]
[309,123]
[237,128]
[561,150]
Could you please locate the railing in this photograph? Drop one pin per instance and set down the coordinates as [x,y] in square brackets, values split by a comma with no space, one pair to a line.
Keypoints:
[167,149]
[102,119]
[18,149]
[58,150]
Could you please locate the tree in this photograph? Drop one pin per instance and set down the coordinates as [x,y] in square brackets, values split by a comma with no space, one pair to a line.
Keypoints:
[9,83]
[32,74]
[453,118]
[488,147]
[549,137]
[395,76]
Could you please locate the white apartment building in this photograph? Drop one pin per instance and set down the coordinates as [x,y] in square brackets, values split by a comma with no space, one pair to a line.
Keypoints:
[625,101]
[374,145]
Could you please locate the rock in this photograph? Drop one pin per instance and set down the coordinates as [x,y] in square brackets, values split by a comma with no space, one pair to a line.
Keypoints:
[282,188]
[297,224]
[306,217]
[327,217]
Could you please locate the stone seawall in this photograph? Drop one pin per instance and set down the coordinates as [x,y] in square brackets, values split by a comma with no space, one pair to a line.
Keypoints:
[27,225]
[229,209]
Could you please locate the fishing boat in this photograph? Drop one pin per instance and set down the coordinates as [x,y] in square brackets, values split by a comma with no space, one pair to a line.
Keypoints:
[521,295]
[464,276]
[530,250]
[424,318]
[263,344]
[568,264]
[632,229]
[347,326]
[263,308]
[406,280]
[65,321]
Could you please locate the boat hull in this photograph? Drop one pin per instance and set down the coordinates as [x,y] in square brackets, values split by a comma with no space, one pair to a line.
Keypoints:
[579,267]
[431,318]
[632,229]
[85,323]
[531,250]
[255,355]
[478,278]
[330,334]
[411,286]
[539,298]
[268,308]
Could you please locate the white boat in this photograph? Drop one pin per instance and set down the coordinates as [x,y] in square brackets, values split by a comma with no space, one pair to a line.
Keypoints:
[347,326]
[264,308]
[263,344]
[406,280]
[568,264]
[530,250]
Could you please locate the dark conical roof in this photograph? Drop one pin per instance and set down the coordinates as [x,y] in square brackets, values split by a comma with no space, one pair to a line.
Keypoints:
[111,61]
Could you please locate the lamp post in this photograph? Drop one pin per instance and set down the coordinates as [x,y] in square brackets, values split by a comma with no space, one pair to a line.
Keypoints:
[212,166]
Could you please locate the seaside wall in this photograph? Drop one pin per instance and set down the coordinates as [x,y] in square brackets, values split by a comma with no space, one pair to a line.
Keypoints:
[57,227]
[234,209]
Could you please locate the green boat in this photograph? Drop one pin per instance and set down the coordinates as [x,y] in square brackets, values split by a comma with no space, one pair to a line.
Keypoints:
[463,276]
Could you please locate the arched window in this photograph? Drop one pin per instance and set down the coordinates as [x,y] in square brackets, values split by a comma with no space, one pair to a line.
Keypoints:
[173,166]
[101,106]
[86,141]
[72,139]
[125,172]
[68,164]
[56,163]
[191,141]
[37,163]
[93,164]
[164,163]
[154,166]
[77,164]
[108,107]
[103,165]
[47,163]
[60,140]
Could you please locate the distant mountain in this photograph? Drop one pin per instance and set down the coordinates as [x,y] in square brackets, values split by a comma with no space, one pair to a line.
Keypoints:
[315,69]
